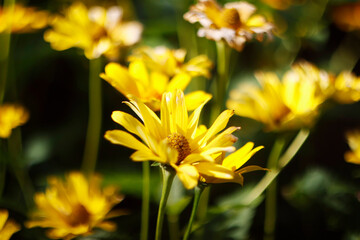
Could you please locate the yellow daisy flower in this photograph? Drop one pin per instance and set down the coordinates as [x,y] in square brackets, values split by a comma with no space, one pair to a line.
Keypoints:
[229,168]
[353,139]
[174,139]
[98,31]
[347,88]
[172,61]
[152,72]
[235,23]
[21,19]
[7,226]
[74,207]
[288,104]
[11,116]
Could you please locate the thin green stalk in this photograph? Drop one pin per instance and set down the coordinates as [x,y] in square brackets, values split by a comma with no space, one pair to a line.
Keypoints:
[197,193]
[270,195]
[283,161]
[5,41]
[222,81]
[19,167]
[145,201]
[95,113]
[168,177]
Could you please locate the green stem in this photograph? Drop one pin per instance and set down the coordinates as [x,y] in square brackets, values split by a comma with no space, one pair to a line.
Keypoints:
[5,50]
[168,177]
[270,195]
[145,201]
[197,193]
[222,81]
[95,113]
[283,161]
[19,167]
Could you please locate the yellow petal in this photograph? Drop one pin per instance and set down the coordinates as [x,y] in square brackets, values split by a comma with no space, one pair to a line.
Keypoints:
[214,170]
[119,77]
[219,124]
[251,169]
[240,157]
[195,99]
[179,81]
[125,139]
[138,71]
[188,175]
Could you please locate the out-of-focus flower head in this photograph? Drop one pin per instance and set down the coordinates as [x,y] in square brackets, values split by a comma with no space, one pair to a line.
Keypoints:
[228,168]
[174,139]
[152,72]
[11,116]
[75,207]
[353,139]
[347,16]
[347,88]
[21,19]
[235,23]
[172,61]
[98,31]
[7,226]
[288,104]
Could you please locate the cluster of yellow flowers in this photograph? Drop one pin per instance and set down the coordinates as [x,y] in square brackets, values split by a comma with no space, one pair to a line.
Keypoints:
[294,101]
[155,80]
[153,71]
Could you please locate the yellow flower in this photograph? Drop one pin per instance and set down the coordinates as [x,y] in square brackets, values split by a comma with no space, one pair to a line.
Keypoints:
[235,22]
[171,61]
[98,31]
[152,72]
[346,16]
[74,207]
[347,88]
[21,19]
[229,169]
[7,227]
[288,104]
[11,116]
[353,139]
[174,139]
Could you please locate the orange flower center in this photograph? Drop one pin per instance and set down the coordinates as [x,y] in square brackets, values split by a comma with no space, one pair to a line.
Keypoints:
[230,18]
[179,142]
[79,216]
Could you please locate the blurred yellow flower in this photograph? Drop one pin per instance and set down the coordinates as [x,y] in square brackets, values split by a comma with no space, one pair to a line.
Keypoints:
[172,61]
[74,207]
[288,104]
[235,22]
[21,19]
[152,72]
[174,139]
[353,139]
[347,88]
[7,226]
[98,31]
[229,169]
[346,16]
[11,116]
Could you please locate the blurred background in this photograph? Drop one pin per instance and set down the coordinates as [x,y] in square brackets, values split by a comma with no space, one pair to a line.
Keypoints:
[318,192]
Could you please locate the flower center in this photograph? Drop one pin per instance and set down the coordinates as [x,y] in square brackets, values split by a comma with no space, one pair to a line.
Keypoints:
[179,142]
[230,18]
[79,216]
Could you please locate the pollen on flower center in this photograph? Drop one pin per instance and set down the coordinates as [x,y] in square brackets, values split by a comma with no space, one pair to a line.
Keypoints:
[179,142]
[79,216]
